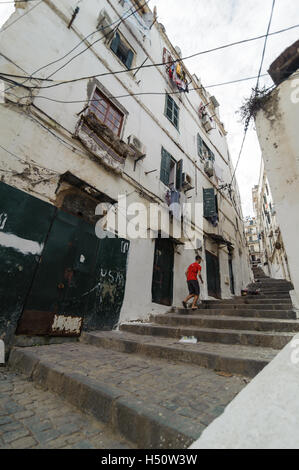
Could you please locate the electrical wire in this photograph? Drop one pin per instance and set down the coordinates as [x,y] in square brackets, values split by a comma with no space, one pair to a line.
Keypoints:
[265,45]
[128,94]
[256,93]
[119,21]
[145,66]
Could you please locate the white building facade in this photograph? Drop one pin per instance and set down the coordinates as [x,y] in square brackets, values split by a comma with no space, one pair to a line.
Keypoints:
[277,128]
[253,240]
[89,119]
[273,257]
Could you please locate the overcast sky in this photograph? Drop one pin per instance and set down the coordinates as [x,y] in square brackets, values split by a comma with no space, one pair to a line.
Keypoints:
[197,25]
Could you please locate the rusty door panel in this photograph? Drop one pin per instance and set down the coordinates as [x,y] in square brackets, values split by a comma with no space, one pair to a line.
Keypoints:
[49,324]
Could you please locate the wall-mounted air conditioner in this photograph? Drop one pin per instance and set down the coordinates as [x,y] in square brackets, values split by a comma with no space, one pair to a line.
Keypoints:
[187,181]
[207,123]
[209,168]
[105,22]
[137,145]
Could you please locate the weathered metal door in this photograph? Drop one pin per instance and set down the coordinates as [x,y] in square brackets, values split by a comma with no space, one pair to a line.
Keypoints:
[162,285]
[63,277]
[108,290]
[213,275]
[69,286]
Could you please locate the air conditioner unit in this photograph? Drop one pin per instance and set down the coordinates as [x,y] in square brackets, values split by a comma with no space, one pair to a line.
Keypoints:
[138,146]
[207,123]
[105,22]
[209,168]
[214,102]
[187,181]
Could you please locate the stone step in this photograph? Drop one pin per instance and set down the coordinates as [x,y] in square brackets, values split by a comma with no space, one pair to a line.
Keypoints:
[212,335]
[235,359]
[246,300]
[236,312]
[277,290]
[251,313]
[272,282]
[240,307]
[277,297]
[227,322]
[150,405]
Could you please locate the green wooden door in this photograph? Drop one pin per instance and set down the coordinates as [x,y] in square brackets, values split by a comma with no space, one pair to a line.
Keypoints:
[213,275]
[162,284]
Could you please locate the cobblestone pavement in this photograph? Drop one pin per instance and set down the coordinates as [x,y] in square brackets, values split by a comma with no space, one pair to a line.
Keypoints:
[31,418]
[190,391]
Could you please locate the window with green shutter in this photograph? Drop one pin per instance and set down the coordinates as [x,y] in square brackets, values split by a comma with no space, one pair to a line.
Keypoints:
[122,50]
[171,173]
[211,156]
[165,167]
[210,204]
[203,150]
[172,111]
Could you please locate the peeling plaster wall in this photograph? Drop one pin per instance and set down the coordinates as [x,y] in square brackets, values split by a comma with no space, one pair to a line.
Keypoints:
[277,128]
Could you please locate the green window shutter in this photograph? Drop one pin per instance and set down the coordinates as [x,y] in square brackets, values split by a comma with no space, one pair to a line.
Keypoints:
[211,155]
[165,167]
[115,43]
[176,113]
[129,59]
[209,203]
[179,175]
[199,146]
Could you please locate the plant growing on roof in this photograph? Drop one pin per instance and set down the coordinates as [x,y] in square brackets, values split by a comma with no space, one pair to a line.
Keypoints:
[254,103]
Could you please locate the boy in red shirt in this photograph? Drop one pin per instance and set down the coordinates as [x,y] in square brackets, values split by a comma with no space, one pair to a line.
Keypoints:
[192,272]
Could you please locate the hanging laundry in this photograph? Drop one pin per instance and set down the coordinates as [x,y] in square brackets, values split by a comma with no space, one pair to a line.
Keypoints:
[175,206]
[178,77]
[168,198]
[179,70]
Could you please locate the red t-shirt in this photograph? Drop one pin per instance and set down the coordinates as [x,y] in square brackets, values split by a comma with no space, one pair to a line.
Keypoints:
[193,271]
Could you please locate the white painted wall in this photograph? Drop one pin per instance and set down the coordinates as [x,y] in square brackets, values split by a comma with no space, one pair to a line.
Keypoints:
[265,414]
[277,128]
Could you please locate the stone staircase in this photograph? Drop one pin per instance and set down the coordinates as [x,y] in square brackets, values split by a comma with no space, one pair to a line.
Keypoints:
[152,389]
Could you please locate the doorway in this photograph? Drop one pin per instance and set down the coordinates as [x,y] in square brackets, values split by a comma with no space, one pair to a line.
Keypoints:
[162,284]
[213,275]
[79,281]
